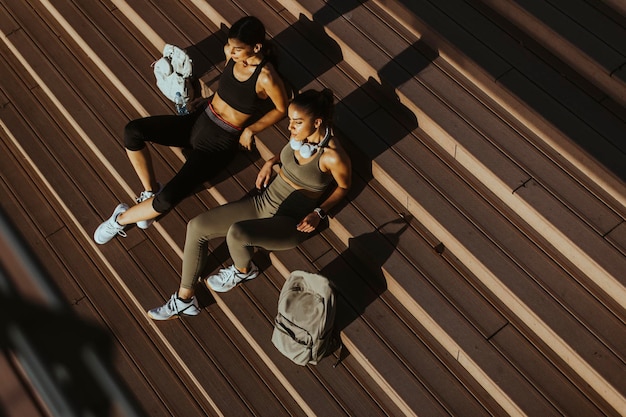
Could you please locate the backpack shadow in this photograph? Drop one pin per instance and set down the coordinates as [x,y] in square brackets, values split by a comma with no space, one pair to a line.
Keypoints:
[357,275]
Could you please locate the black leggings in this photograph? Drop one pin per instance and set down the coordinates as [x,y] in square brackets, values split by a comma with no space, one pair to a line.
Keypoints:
[211,147]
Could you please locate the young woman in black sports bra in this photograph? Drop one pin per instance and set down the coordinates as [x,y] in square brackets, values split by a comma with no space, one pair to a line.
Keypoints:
[315,175]
[212,131]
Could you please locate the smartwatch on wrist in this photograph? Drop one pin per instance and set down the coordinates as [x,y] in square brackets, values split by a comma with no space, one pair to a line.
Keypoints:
[320,212]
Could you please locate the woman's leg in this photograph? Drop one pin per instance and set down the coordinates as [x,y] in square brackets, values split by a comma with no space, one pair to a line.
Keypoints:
[274,234]
[138,212]
[204,227]
[199,167]
[168,130]
[141,161]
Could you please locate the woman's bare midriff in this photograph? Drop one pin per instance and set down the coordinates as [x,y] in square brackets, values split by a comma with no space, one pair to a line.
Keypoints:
[227,113]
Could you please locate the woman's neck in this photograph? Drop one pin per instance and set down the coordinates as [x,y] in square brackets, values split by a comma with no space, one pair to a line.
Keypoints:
[317,136]
[252,61]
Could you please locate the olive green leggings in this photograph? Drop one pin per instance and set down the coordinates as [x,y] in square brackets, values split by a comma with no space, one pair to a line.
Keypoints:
[267,221]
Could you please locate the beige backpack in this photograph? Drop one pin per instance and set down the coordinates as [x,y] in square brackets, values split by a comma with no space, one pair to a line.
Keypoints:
[304,326]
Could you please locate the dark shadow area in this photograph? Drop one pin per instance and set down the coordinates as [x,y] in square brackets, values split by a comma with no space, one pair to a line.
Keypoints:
[299,58]
[67,361]
[540,87]
[335,8]
[369,121]
[53,344]
[357,274]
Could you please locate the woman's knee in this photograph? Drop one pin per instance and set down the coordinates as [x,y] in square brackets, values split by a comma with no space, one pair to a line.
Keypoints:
[194,225]
[133,136]
[164,202]
[235,232]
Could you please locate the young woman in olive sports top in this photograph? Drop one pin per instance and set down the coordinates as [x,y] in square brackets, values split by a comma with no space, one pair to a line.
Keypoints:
[289,208]
[212,132]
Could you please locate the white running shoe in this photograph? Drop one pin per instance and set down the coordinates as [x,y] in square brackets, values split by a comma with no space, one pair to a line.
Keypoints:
[110,228]
[228,278]
[174,308]
[144,224]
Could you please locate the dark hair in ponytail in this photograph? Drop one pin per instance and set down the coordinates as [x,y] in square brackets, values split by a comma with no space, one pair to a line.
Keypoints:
[317,104]
[251,31]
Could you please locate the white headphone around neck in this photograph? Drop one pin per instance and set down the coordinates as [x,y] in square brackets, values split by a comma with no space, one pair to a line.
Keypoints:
[308,149]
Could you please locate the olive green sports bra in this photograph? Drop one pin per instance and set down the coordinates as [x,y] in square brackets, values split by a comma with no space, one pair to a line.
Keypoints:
[309,176]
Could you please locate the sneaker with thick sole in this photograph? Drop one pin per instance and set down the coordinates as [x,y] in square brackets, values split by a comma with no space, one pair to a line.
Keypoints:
[145,195]
[228,278]
[110,228]
[174,308]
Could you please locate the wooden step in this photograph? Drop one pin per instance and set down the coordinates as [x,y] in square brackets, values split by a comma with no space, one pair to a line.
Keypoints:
[142,253]
[577,34]
[196,356]
[137,248]
[514,90]
[491,167]
[352,124]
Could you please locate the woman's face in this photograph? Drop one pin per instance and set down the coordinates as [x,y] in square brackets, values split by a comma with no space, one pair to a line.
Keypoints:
[238,50]
[301,124]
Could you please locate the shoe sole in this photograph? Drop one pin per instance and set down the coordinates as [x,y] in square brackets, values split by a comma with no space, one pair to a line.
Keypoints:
[174,317]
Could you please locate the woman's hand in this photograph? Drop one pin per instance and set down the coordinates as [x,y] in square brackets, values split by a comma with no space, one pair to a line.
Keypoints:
[309,223]
[246,140]
[264,175]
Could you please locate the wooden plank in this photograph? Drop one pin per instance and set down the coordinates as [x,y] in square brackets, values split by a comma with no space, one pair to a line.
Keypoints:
[16,395]
[596,23]
[554,385]
[466,62]
[130,331]
[218,365]
[567,95]
[617,237]
[425,99]
[547,31]
[513,144]
[16,176]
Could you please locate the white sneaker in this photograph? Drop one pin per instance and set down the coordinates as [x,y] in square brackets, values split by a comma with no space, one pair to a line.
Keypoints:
[228,278]
[110,228]
[174,308]
[144,224]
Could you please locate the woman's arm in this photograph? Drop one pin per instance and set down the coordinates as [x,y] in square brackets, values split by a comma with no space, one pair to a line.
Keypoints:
[273,86]
[265,174]
[338,163]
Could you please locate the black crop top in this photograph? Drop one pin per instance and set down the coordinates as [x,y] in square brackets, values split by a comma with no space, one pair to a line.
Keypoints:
[240,95]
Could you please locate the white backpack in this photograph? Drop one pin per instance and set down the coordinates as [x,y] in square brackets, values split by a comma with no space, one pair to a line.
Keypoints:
[172,73]
[304,326]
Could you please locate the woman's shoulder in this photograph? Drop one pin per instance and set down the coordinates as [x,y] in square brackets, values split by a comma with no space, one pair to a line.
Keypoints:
[334,153]
[268,71]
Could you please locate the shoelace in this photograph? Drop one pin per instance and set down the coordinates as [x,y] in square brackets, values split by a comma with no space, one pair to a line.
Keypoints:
[227,275]
[115,229]
[144,196]
[172,306]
